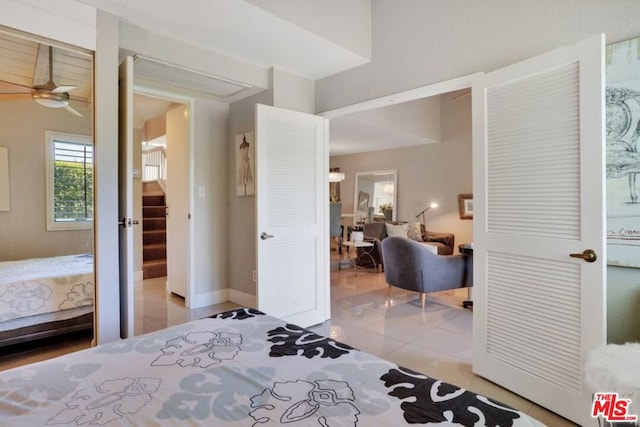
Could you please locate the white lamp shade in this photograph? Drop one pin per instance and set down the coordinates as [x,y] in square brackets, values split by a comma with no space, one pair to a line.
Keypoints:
[336,176]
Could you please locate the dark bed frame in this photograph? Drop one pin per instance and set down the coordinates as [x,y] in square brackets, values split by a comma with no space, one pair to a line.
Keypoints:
[46,330]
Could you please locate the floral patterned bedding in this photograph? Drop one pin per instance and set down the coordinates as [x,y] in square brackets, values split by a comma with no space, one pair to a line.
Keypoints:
[45,285]
[239,368]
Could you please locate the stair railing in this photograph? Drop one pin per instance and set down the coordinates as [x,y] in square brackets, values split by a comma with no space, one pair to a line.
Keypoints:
[154,164]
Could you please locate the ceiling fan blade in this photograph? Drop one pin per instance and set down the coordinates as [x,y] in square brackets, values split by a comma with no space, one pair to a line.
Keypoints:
[13,87]
[63,89]
[14,96]
[72,111]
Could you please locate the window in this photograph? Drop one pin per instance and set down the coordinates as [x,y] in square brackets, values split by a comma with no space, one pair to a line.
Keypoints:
[69,181]
[382,195]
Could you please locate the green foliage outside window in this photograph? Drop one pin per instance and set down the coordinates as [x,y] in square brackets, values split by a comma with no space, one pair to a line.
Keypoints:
[73,191]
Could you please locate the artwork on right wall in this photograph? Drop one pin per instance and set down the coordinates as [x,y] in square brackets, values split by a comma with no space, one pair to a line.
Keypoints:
[623,159]
[245,164]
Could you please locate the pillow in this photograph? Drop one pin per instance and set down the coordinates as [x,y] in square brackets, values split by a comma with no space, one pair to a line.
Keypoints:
[414,232]
[399,230]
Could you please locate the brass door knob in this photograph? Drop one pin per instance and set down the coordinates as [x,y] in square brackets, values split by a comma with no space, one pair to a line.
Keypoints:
[589,255]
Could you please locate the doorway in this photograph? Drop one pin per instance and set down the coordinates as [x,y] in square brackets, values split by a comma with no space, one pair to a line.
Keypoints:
[424,135]
[161,201]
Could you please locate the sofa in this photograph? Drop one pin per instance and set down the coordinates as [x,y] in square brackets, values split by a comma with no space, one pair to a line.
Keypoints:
[376,232]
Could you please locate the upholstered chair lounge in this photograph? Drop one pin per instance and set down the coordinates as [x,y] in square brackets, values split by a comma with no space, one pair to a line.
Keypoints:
[412,266]
[376,232]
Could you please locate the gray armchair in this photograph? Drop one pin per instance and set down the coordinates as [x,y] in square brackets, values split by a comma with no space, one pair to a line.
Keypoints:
[375,232]
[411,266]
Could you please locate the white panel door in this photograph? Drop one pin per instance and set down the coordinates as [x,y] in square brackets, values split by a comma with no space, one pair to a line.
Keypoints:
[125,195]
[538,164]
[292,215]
[178,201]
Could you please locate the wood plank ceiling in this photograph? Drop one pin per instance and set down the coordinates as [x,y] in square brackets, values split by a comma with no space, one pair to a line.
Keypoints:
[25,62]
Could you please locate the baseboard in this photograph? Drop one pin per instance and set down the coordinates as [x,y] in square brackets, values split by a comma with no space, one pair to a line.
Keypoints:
[243,299]
[223,295]
[137,276]
[209,298]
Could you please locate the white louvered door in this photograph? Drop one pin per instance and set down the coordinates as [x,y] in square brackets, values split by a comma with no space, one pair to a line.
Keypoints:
[539,197]
[292,215]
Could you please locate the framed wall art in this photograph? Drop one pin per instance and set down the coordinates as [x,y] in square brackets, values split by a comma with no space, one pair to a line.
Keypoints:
[363,201]
[622,97]
[245,164]
[465,206]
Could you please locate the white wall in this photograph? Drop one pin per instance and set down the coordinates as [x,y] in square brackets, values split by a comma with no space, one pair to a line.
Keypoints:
[67,21]
[425,42]
[137,203]
[291,91]
[211,216]
[419,42]
[241,242]
[286,90]
[346,23]
[107,314]
[23,129]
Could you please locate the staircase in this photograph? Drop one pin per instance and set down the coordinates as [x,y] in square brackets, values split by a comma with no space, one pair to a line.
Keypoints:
[154,231]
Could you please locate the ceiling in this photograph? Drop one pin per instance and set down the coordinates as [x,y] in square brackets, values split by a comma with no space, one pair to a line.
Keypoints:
[397,126]
[147,107]
[241,30]
[257,37]
[25,63]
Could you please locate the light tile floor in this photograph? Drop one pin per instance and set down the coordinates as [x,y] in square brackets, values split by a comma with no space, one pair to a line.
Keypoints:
[436,340]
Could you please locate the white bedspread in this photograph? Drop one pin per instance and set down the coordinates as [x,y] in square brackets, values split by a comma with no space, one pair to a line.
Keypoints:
[242,368]
[45,285]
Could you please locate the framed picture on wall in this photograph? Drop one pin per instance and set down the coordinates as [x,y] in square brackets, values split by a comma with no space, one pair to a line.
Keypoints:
[622,124]
[363,201]
[245,164]
[465,206]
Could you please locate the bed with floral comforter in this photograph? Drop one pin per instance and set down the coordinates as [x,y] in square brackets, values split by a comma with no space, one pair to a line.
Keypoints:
[42,297]
[243,368]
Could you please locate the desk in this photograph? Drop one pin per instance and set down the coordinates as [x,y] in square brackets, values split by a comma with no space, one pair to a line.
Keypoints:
[467,250]
[367,250]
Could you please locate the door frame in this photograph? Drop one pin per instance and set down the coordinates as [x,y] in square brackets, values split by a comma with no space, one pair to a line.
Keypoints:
[463,82]
[434,89]
[190,103]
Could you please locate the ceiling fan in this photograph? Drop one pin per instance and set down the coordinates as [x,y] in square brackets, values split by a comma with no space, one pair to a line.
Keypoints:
[48,94]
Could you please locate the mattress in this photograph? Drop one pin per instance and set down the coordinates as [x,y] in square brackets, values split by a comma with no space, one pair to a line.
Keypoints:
[241,367]
[45,285]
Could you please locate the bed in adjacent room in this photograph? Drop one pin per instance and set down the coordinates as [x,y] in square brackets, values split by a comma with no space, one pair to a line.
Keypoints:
[240,367]
[41,297]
